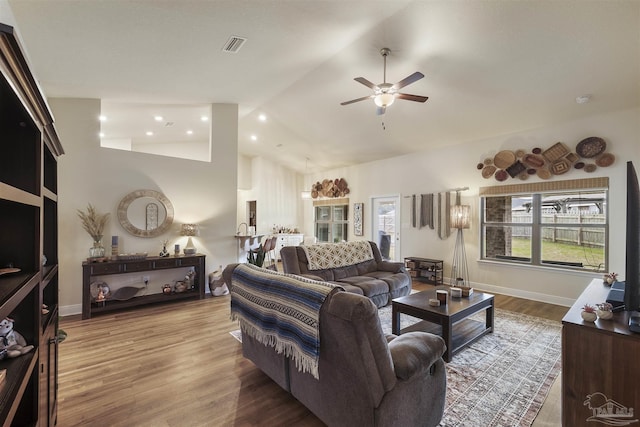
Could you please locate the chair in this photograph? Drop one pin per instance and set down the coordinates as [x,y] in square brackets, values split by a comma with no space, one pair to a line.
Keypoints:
[274,246]
[267,247]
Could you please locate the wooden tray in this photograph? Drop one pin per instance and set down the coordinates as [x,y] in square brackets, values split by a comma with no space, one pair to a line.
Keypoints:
[555,152]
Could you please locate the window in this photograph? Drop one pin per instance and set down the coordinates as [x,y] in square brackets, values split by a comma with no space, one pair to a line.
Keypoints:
[331,221]
[561,224]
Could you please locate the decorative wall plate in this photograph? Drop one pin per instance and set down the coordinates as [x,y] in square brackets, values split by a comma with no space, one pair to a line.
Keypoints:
[534,161]
[504,159]
[543,173]
[501,175]
[605,160]
[591,147]
[488,171]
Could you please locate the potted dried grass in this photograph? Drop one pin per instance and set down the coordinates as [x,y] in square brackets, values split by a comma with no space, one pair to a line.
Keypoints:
[94,223]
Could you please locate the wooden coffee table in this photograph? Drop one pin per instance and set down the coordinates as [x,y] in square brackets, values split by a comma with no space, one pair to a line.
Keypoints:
[450,321]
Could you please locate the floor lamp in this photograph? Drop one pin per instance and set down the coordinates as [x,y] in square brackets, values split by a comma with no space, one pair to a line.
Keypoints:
[459,272]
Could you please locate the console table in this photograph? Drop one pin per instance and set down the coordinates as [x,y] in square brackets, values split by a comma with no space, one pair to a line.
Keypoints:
[93,270]
[599,360]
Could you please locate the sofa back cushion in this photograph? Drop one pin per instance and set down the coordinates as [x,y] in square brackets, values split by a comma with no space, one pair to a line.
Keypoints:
[354,358]
[294,261]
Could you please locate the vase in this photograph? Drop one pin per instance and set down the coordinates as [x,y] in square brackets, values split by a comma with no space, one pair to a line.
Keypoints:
[97,250]
[604,314]
[588,317]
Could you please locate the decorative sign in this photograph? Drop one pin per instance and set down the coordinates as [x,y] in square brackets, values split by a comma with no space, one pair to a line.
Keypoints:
[357,219]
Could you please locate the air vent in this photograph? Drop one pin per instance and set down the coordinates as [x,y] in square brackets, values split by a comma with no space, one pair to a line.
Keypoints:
[234,44]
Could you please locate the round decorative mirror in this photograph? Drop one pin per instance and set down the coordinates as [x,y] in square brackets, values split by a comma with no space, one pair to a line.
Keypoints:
[145,213]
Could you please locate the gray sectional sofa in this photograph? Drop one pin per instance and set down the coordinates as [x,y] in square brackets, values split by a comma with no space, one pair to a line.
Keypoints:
[381,281]
[364,377]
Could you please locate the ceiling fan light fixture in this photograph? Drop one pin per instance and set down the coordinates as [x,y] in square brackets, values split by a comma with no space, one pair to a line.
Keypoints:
[384,99]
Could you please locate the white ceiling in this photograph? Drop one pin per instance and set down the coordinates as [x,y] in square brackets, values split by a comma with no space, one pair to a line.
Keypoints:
[491,67]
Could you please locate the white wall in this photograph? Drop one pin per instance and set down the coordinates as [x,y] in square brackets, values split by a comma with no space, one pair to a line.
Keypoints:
[442,169]
[201,192]
[6,15]
[276,192]
[191,150]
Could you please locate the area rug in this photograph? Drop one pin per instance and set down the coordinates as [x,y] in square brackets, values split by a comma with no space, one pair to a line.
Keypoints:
[502,379]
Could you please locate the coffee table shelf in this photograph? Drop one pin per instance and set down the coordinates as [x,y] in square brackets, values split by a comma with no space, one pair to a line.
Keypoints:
[450,321]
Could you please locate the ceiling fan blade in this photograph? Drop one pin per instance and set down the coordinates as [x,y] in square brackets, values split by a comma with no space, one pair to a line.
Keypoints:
[366,82]
[408,80]
[416,98]
[356,100]
[380,110]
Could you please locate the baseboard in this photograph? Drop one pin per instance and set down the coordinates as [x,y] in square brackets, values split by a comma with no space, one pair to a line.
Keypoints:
[519,293]
[70,310]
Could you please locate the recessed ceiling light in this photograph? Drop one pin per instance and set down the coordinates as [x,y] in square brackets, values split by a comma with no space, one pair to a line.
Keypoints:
[262,118]
[149,133]
[102,118]
[204,118]
[101,134]
[157,118]
[583,99]
[189,132]
[254,138]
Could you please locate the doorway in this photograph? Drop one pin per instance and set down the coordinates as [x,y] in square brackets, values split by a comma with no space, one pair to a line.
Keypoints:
[385,226]
[251,214]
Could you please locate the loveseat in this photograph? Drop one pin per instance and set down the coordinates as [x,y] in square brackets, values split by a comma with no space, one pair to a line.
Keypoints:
[356,266]
[364,378]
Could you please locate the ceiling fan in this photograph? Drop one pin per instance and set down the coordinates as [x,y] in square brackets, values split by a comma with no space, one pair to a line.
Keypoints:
[385,93]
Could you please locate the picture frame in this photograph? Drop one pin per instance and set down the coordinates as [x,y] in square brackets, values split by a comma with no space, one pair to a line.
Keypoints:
[357,219]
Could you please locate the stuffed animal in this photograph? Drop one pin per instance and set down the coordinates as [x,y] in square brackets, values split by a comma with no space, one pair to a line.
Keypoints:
[11,341]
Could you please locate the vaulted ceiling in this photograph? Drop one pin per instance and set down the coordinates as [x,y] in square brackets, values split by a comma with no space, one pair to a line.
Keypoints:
[491,67]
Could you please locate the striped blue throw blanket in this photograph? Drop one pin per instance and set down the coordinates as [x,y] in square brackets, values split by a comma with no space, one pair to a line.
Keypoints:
[281,311]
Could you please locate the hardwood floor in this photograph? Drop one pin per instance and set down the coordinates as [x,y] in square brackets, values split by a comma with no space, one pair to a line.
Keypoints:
[177,365]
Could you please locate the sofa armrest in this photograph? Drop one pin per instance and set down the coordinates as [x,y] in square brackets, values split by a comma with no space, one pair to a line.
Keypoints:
[393,267]
[415,352]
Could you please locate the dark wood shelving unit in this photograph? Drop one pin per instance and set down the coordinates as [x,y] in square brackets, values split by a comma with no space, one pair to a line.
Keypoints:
[425,269]
[28,230]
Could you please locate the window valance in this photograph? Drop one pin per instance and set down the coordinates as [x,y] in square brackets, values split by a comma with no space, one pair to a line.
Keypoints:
[546,186]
